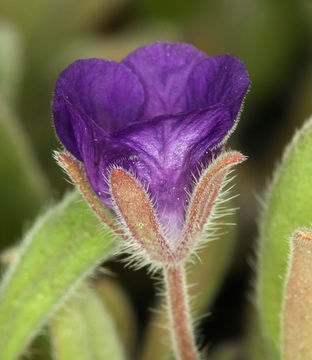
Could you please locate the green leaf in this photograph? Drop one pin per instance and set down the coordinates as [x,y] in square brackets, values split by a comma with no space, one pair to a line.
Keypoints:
[288,206]
[63,247]
[84,329]
[119,306]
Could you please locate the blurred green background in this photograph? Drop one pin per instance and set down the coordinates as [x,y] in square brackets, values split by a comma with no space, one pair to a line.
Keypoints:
[39,38]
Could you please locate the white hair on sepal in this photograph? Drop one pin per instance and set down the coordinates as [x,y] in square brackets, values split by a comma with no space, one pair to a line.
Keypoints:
[145,186]
[137,256]
[70,179]
[55,155]
[212,227]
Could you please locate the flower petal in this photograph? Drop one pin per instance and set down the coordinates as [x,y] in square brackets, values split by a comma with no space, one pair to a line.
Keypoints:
[73,126]
[105,93]
[163,154]
[163,69]
[179,78]
[218,80]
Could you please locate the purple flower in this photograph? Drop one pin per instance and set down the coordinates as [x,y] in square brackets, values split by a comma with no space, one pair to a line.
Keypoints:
[161,114]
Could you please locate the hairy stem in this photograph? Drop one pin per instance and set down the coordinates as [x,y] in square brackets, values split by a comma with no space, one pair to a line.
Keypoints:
[178,307]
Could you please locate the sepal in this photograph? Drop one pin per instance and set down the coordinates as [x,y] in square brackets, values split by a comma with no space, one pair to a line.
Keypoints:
[297,316]
[203,201]
[136,213]
[76,171]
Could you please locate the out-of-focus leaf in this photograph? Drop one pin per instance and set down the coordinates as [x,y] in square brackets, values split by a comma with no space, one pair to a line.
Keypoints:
[118,305]
[38,21]
[40,348]
[255,345]
[301,106]
[205,278]
[62,248]
[23,188]
[228,351]
[306,8]
[9,255]
[84,329]
[286,208]
[10,61]
[116,46]
[266,35]
[176,10]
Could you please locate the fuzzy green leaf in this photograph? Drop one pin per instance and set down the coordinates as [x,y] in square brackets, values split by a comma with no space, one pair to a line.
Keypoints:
[288,206]
[62,248]
[84,330]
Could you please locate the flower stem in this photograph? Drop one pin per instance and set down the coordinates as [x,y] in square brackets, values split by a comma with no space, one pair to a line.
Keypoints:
[178,307]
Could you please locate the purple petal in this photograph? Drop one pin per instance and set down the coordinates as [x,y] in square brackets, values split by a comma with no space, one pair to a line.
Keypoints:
[218,80]
[163,154]
[98,105]
[75,128]
[163,69]
[105,93]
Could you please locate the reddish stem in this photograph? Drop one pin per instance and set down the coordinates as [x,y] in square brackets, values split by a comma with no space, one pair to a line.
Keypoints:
[181,324]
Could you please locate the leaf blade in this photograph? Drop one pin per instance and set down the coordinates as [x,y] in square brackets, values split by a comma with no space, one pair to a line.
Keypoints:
[84,329]
[286,209]
[62,248]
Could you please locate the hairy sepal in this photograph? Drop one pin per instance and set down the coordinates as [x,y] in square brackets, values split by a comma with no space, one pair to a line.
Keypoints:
[296,315]
[76,171]
[203,201]
[136,213]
